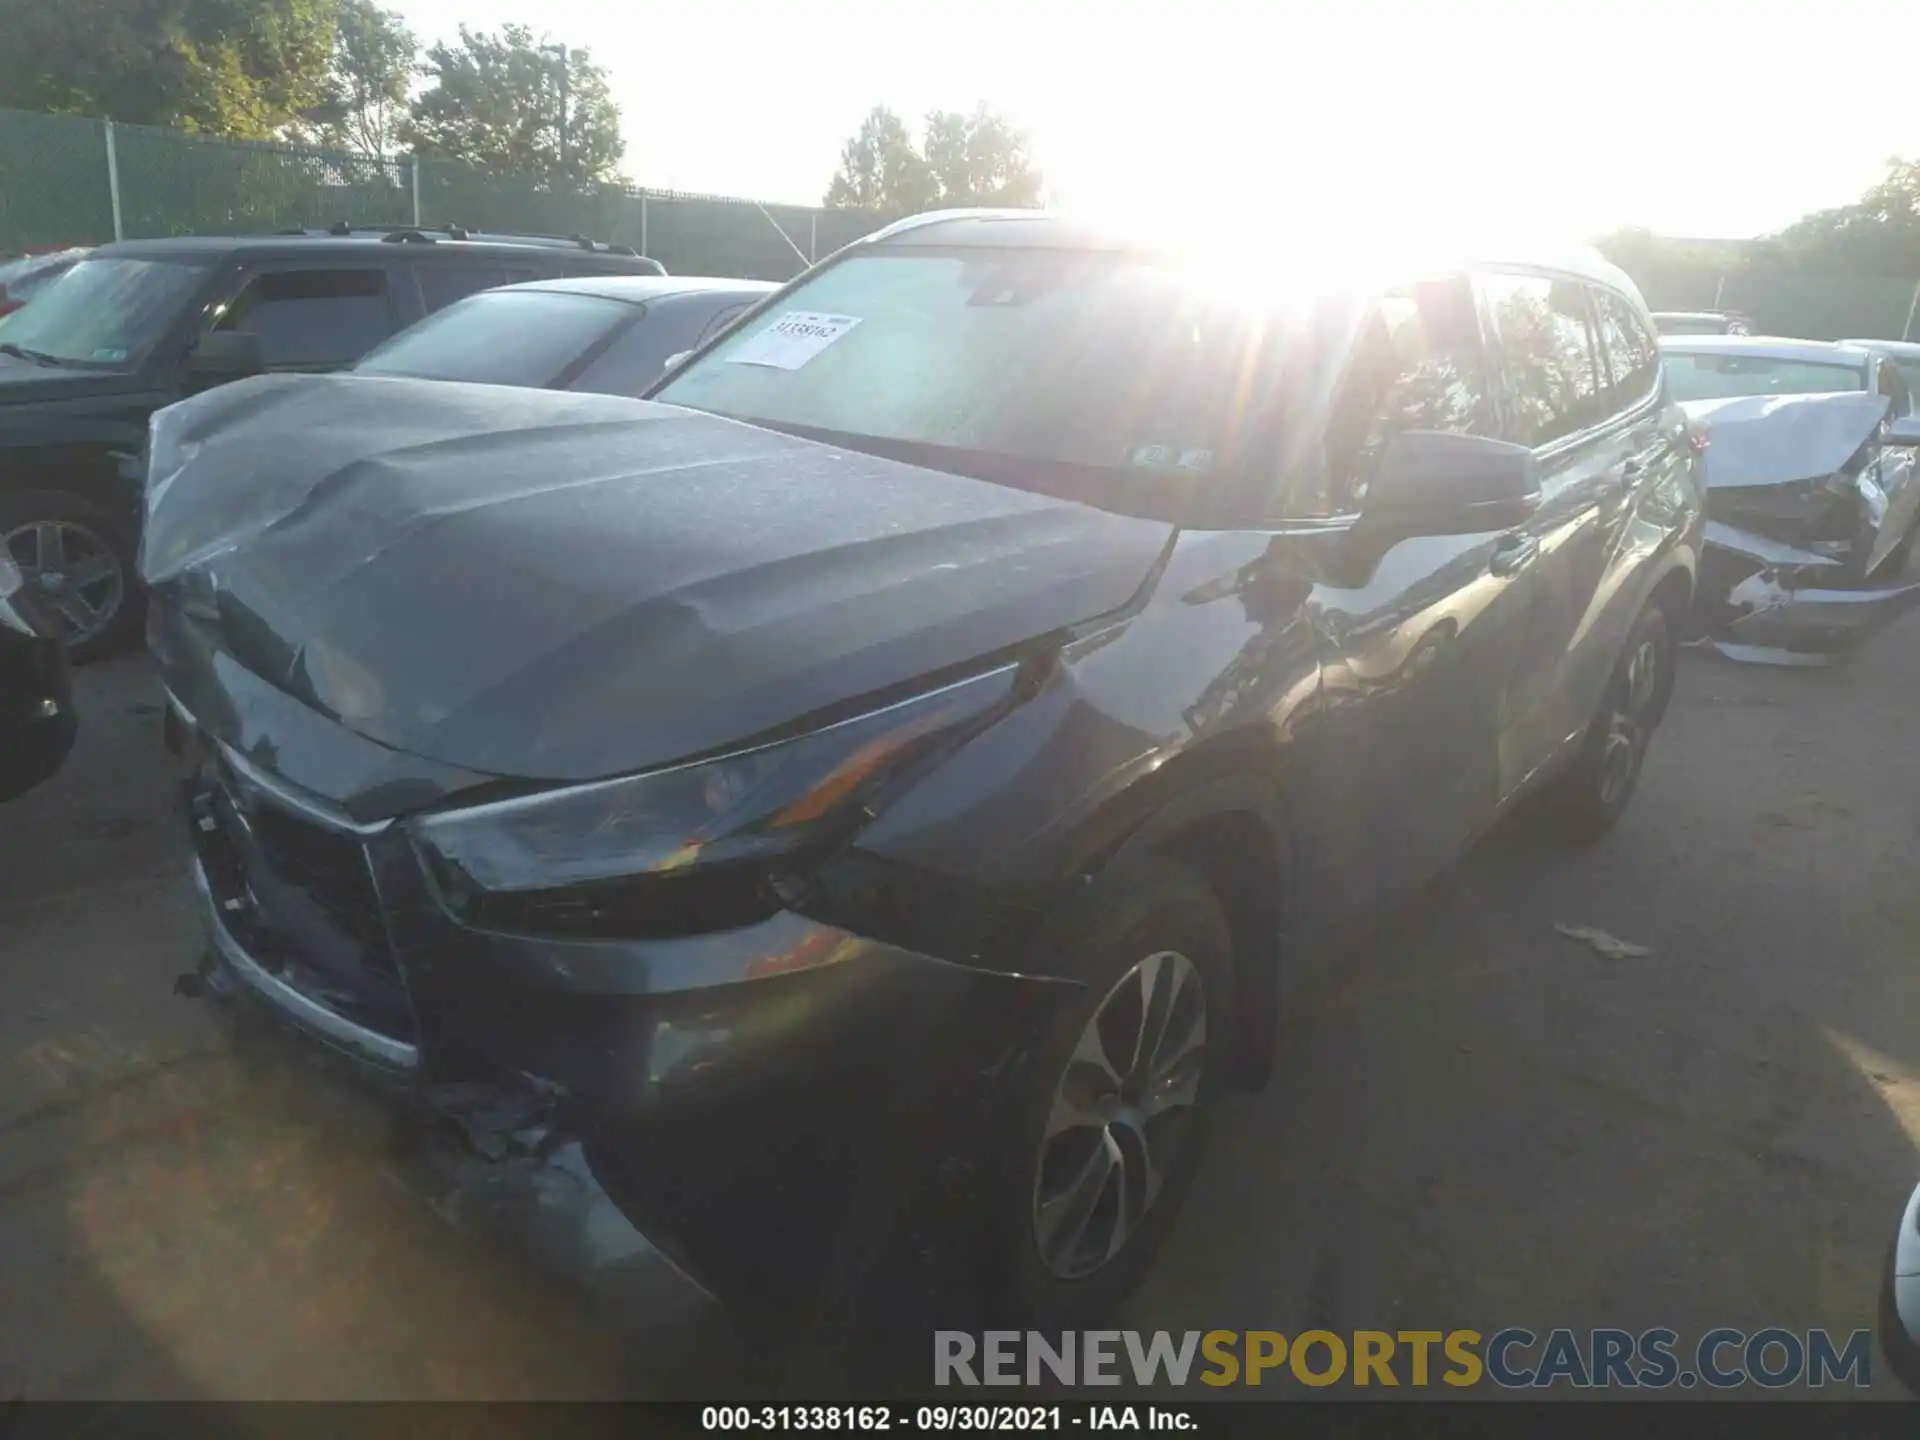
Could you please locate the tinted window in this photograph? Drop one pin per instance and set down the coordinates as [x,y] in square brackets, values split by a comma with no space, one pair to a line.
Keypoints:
[500,337]
[1895,389]
[441,285]
[635,360]
[313,317]
[1054,357]
[1683,325]
[1632,355]
[1546,355]
[725,318]
[105,312]
[1416,364]
[1910,372]
[1700,376]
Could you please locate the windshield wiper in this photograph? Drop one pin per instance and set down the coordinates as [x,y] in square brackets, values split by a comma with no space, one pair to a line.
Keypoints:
[39,357]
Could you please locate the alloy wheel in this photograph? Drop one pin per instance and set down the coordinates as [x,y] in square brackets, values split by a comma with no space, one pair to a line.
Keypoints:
[1122,1114]
[1630,719]
[74,569]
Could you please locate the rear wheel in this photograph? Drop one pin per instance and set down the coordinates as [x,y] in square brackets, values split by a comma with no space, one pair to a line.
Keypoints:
[1589,799]
[1116,1101]
[79,560]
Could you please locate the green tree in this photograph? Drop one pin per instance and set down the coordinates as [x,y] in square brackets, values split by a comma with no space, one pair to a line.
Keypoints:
[375,57]
[977,159]
[1879,234]
[495,101]
[881,170]
[225,67]
[980,159]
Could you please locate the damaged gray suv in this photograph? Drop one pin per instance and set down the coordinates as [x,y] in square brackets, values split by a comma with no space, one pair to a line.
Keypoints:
[872,790]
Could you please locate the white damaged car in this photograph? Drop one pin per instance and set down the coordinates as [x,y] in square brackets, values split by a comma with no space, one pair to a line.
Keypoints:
[1811,507]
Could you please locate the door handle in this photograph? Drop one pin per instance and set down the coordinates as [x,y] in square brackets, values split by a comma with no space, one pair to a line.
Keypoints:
[1512,553]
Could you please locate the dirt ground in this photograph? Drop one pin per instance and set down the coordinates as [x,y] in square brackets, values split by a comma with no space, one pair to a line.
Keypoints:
[1477,1121]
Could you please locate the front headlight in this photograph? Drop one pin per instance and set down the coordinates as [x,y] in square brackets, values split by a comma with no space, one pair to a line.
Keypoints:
[702,846]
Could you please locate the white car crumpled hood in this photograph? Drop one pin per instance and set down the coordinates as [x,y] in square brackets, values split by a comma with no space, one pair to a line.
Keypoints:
[1781,439]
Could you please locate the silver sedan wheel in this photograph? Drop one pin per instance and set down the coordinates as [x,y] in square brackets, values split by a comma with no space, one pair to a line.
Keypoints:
[74,570]
[1629,720]
[1122,1115]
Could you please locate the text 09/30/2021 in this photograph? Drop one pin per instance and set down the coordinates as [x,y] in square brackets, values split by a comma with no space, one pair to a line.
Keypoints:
[945,1418]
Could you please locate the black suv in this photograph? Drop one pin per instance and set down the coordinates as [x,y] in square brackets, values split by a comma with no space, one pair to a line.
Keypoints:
[139,325]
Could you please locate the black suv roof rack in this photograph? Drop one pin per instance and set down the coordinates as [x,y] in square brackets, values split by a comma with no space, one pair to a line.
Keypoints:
[429,234]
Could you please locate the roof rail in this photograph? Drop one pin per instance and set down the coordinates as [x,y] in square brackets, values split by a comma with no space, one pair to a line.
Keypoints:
[340,227]
[406,236]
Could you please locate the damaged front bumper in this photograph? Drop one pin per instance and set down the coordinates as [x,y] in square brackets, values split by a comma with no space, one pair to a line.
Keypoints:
[773,1107]
[1774,603]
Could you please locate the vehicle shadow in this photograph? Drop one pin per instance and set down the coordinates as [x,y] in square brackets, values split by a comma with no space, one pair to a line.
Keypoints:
[192,1208]
[1476,1123]
[1479,1122]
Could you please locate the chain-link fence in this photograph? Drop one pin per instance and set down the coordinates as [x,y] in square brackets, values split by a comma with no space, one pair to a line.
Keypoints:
[67,180]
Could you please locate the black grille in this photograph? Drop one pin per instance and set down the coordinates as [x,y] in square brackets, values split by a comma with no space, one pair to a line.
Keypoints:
[327,866]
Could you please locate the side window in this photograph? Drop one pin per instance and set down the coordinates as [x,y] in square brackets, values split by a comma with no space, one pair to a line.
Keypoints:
[635,360]
[313,319]
[441,285]
[1415,362]
[1632,356]
[1895,389]
[1546,355]
[725,318]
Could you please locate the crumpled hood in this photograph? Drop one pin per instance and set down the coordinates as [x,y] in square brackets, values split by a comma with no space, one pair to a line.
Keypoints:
[1781,439]
[565,587]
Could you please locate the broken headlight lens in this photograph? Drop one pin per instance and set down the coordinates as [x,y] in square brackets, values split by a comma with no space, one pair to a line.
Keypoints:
[701,846]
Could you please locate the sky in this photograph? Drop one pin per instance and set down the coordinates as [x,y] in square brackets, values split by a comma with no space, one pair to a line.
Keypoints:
[1695,119]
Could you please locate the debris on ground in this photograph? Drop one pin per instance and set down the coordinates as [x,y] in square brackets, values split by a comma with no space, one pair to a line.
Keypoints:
[1611,946]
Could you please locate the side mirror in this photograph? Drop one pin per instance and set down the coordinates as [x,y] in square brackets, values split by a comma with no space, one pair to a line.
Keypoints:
[1431,483]
[1900,1299]
[226,355]
[1904,431]
[673,361]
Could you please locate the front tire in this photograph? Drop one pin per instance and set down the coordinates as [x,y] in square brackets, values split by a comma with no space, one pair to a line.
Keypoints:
[1117,1098]
[81,561]
[1589,799]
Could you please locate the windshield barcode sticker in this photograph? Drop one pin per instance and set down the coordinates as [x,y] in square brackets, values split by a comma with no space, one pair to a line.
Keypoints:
[792,340]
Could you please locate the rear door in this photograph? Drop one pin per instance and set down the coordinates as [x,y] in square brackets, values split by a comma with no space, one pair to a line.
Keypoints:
[1581,383]
[1557,399]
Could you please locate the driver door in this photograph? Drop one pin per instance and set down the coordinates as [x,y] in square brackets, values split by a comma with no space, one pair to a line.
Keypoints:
[1419,639]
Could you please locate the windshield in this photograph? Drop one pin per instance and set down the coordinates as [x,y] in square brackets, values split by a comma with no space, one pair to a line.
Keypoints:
[104,313]
[1718,377]
[501,337]
[1071,358]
